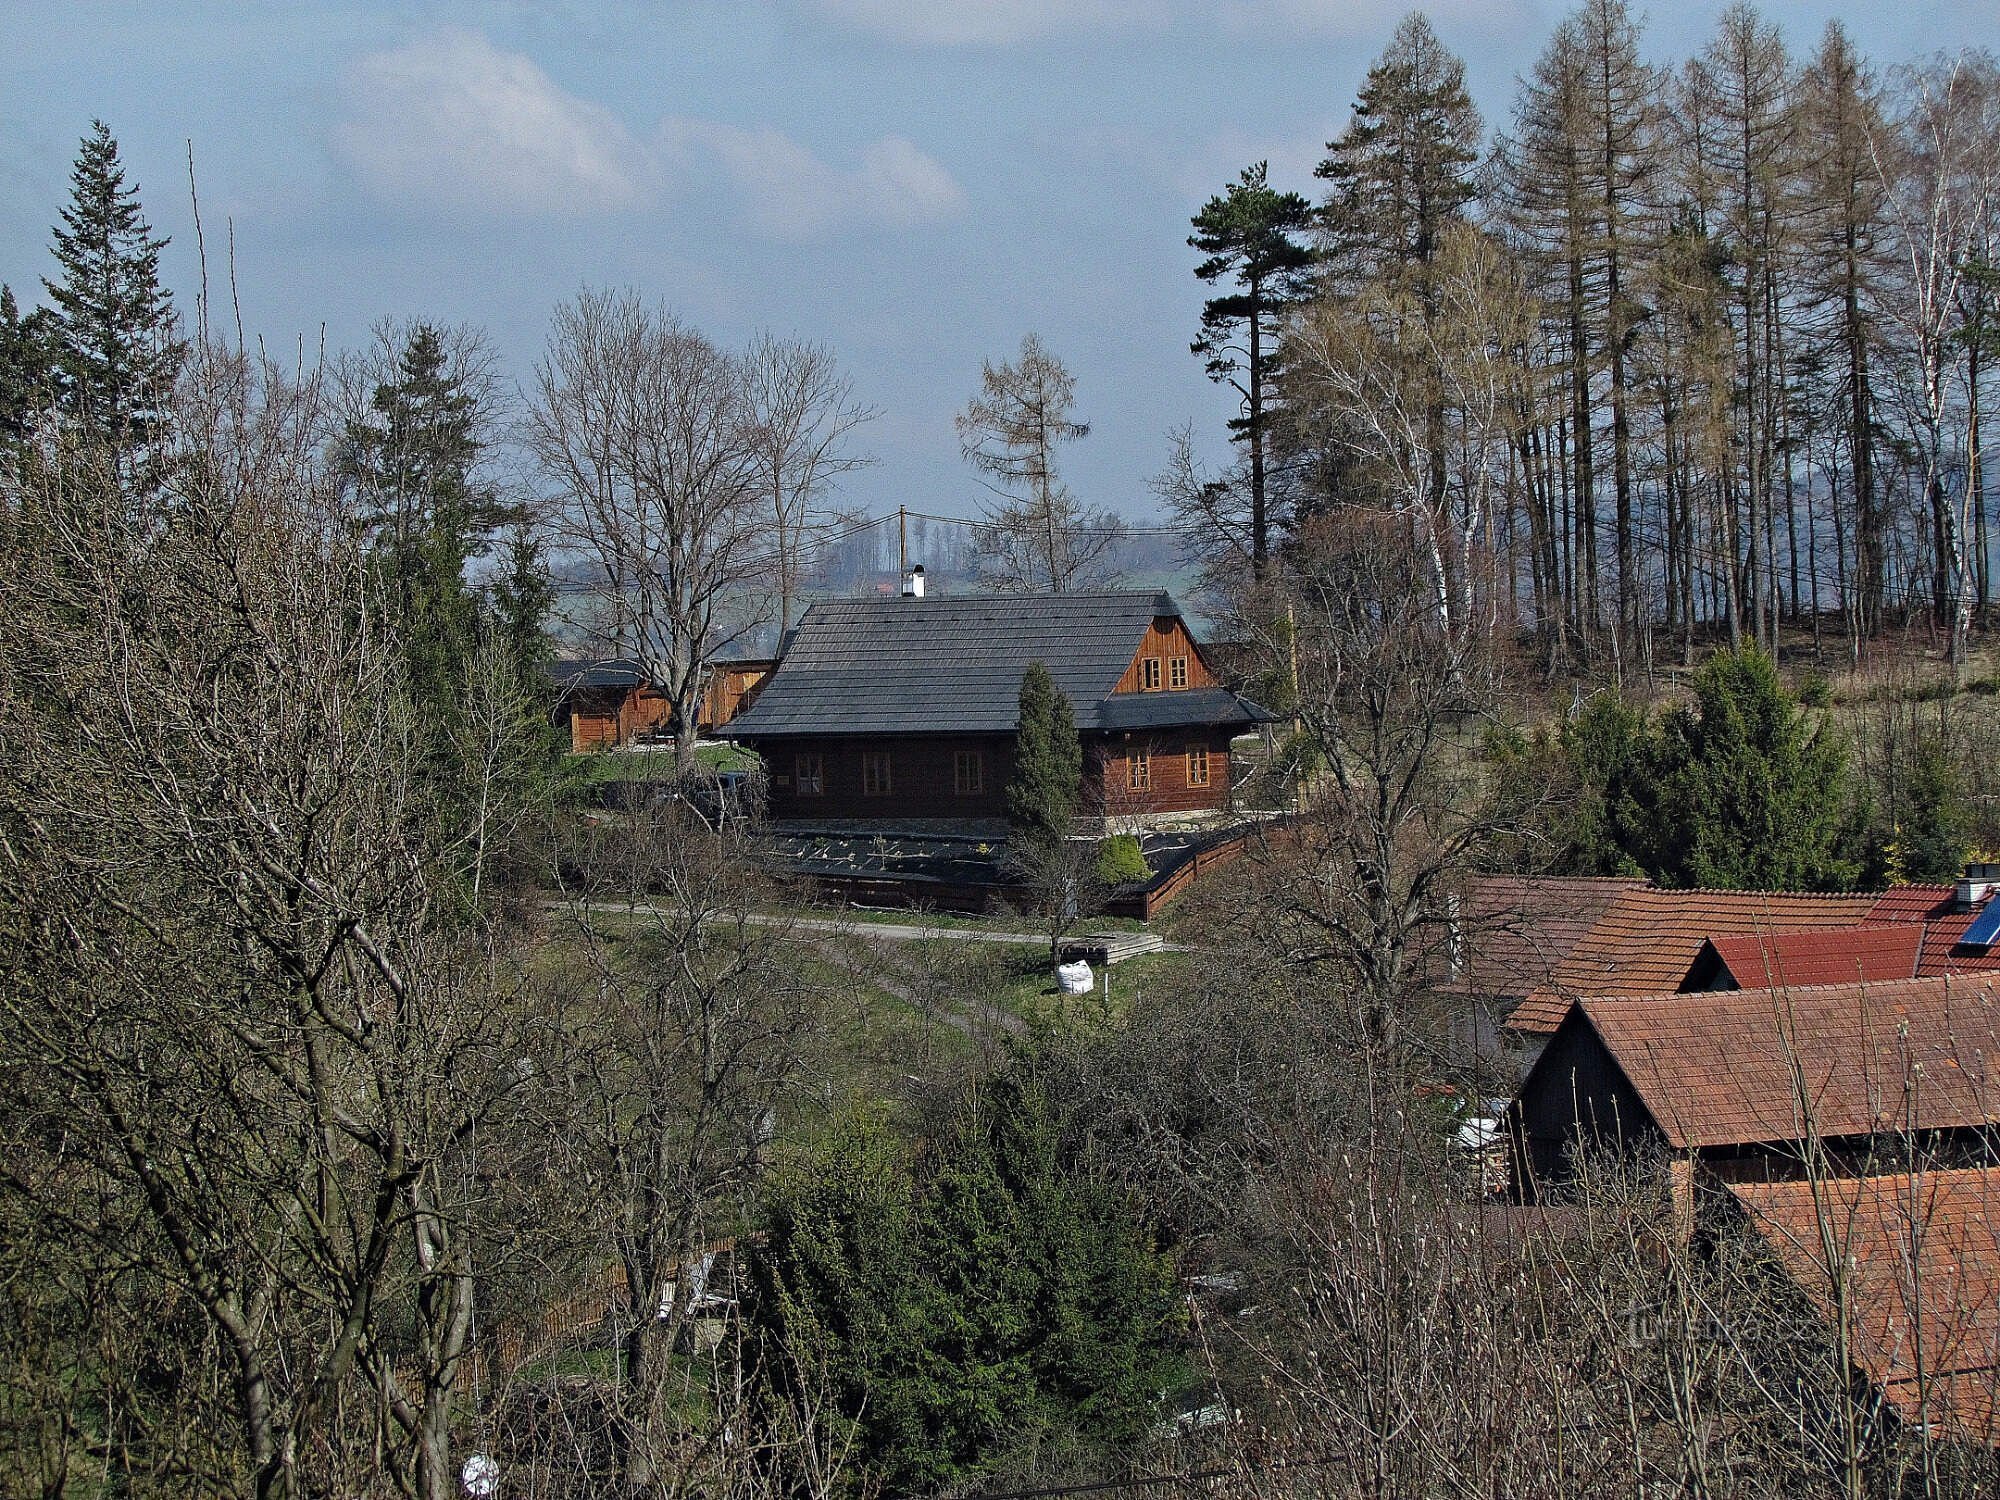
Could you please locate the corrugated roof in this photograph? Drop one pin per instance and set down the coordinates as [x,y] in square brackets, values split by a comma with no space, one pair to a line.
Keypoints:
[1920,1256]
[954,666]
[1519,928]
[1647,939]
[1843,955]
[1744,1067]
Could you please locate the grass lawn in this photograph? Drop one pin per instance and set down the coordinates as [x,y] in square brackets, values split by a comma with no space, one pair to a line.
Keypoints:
[599,767]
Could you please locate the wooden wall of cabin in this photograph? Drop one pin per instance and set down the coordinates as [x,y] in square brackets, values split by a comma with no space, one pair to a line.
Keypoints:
[605,718]
[730,690]
[1576,1095]
[1170,789]
[1166,639]
[923,777]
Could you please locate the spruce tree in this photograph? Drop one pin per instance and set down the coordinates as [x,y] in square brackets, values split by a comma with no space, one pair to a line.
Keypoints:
[1048,763]
[1401,172]
[1250,234]
[412,460]
[522,596]
[113,334]
[24,369]
[1742,788]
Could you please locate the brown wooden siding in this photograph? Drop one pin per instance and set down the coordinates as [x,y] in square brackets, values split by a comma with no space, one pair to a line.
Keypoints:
[922,771]
[605,718]
[1110,769]
[730,690]
[1166,639]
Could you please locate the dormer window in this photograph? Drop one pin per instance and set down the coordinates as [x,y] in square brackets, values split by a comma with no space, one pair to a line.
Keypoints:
[1149,675]
[1177,673]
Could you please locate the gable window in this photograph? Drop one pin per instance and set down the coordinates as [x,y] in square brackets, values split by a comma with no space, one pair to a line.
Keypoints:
[1149,674]
[1177,671]
[1139,769]
[875,773]
[811,773]
[1197,766]
[968,773]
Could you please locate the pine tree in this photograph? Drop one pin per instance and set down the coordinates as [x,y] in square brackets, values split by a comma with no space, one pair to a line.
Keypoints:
[1250,234]
[1048,763]
[113,332]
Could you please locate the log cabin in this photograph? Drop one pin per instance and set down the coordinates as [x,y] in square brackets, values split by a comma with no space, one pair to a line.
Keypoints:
[608,703]
[893,710]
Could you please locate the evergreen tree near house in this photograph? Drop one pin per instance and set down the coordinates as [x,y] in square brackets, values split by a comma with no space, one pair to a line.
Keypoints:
[112,340]
[1251,234]
[1742,788]
[1932,824]
[982,1294]
[521,596]
[1048,764]
[411,458]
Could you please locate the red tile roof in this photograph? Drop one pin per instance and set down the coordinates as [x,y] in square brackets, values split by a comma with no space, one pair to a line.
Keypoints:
[1914,903]
[1745,1067]
[1518,928]
[1936,906]
[1647,939]
[1924,1291]
[1842,956]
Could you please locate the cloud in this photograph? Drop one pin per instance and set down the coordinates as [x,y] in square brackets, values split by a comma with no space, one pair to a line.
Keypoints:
[786,191]
[451,119]
[987,23]
[1004,23]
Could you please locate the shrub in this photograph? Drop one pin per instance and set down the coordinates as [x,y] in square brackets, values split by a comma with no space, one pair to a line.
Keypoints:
[1120,861]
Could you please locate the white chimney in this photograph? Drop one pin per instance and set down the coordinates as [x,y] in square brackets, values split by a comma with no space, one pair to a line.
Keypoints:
[1977,885]
[913,583]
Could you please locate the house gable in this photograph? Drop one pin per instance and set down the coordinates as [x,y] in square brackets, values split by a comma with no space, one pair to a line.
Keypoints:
[1167,640]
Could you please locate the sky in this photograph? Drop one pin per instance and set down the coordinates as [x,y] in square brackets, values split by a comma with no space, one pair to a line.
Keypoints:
[916,185]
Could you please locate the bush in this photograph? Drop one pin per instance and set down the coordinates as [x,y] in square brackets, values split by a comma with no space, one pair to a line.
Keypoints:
[1120,861]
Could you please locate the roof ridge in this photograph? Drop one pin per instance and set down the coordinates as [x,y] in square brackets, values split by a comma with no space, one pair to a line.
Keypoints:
[1657,997]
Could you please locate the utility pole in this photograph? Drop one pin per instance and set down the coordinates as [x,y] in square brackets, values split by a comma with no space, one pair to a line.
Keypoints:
[902,541]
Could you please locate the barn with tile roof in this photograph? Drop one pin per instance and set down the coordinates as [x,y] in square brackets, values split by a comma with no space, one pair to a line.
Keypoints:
[1744,1077]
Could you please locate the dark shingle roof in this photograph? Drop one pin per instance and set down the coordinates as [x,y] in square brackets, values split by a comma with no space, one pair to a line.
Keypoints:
[953,666]
[616,672]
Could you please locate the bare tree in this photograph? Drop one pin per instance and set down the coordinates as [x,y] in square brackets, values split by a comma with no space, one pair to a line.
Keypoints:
[244,1000]
[803,413]
[1423,395]
[1942,163]
[647,434]
[1040,537]
[688,1018]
